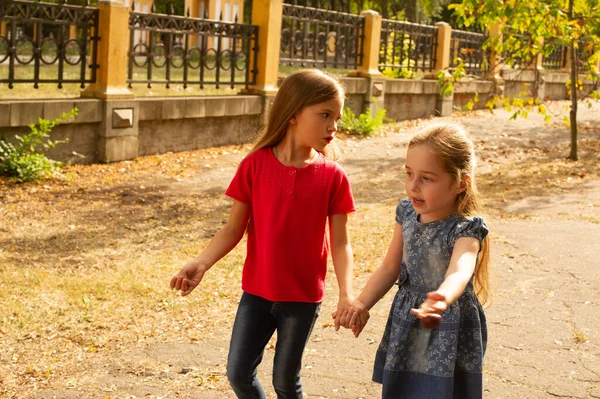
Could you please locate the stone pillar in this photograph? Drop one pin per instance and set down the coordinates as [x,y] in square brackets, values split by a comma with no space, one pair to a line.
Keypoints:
[442,55]
[539,59]
[111,76]
[370,62]
[118,134]
[444,103]
[495,60]
[374,99]
[267,14]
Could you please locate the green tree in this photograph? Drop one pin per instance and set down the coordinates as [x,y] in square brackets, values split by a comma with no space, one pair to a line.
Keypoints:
[531,27]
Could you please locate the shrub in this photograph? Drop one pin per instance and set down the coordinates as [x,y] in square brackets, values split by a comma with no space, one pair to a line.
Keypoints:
[364,125]
[23,160]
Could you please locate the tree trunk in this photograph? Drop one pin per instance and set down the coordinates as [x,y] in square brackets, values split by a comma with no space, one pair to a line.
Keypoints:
[574,77]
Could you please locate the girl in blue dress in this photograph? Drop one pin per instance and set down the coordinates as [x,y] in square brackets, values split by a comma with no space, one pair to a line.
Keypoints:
[436,334]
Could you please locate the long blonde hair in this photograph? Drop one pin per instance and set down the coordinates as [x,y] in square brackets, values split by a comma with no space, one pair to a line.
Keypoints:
[301,88]
[449,142]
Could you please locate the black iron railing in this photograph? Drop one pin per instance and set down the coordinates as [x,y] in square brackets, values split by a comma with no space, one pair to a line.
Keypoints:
[468,46]
[321,38]
[48,43]
[171,49]
[407,45]
[557,59]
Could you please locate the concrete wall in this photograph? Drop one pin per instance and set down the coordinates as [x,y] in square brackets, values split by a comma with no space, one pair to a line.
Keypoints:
[551,84]
[467,91]
[113,130]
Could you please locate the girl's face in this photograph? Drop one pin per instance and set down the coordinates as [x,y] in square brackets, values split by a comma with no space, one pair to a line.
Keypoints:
[315,126]
[432,190]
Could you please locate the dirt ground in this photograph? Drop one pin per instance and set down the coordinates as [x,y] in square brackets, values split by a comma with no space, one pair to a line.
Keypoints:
[125,228]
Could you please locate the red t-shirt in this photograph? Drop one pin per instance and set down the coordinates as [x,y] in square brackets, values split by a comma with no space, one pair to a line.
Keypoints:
[286,259]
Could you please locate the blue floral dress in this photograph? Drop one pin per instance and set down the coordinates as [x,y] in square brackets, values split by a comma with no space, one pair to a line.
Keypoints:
[414,362]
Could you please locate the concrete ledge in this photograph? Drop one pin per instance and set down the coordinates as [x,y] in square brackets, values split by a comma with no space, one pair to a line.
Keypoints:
[476,86]
[15,113]
[563,77]
[355,85]
[411,86]
[169,108]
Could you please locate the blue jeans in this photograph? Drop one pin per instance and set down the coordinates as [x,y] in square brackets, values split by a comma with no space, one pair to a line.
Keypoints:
[255,322]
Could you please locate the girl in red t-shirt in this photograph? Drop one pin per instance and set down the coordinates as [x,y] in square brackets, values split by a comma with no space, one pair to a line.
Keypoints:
[284,193]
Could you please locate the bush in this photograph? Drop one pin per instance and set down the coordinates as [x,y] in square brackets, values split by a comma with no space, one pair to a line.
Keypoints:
[23,160]
[364,125]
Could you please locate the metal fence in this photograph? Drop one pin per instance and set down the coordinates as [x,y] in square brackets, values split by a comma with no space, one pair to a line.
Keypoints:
[557,59]
[171,49]
[468,46]
[321,38]
[48,43]
[407,46]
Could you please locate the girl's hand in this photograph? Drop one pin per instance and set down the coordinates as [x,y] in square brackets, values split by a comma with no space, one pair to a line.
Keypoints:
[360,317]
[431,310]
[355,317]
[188,277]
[341,314]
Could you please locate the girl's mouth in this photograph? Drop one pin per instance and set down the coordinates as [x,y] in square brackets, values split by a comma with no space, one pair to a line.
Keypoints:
[418,202]
[328,139]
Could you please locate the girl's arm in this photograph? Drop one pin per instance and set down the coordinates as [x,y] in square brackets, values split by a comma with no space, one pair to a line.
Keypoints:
[343,261]
[224,241]
[459,273]
[387,274]
[378,285]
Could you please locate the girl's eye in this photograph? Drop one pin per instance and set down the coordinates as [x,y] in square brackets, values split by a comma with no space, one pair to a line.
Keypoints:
[425,178]
[326,115]
[408,174]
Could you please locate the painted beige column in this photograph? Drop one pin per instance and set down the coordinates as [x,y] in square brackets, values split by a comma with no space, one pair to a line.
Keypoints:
[442,54]
[267,14]
[111,76]
[370,61]
[495,60]
[72,32]
[539,59]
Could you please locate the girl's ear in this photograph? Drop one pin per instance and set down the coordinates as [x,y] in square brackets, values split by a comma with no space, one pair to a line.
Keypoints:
[293,120]
[464,183]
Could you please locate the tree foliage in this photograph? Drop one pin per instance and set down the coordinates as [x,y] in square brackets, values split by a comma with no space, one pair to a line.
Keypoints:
[533,27]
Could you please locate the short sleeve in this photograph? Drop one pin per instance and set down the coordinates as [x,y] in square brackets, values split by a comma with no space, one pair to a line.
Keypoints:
[341,200]
[240,188]
[472,227]
[402,210]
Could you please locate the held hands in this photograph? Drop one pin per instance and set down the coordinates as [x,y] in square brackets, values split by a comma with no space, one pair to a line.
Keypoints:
[188,277]
[355,317]
[431,310]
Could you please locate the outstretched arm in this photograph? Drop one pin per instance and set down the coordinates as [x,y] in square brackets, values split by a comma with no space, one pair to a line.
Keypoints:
[224,241]
[461,269]
[341,254]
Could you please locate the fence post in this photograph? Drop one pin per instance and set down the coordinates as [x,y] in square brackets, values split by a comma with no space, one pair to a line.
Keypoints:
[118,132]
[267,14]
[444,104]
[495,60]
[370,60]
[113,30]
[442,54]
[369,67]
